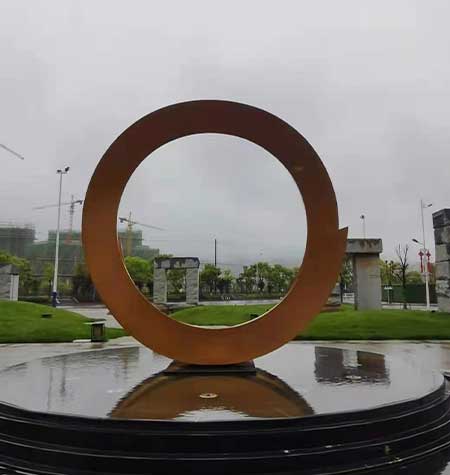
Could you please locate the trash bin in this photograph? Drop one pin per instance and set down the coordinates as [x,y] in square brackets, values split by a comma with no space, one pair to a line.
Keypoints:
[98,333]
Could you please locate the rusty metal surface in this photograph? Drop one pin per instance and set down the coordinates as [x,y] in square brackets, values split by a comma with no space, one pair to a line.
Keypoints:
[325,246]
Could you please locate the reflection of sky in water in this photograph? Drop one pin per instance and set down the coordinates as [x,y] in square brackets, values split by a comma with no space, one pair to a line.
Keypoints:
[219,414]
[329,380]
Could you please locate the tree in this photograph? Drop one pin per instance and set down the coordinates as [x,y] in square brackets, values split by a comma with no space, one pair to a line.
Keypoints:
[209,277]
[240,284]
[82,285]
[280,278]
[345,276]
[177,279]
[47,278]
[389,272]
[401,272]
[248,276]
[262,271]
[414,277]
[225,281]
[139,269]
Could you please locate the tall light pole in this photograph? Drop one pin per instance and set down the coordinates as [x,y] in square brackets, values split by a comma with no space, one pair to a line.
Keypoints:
[55,275]
[363,219]
[423,206]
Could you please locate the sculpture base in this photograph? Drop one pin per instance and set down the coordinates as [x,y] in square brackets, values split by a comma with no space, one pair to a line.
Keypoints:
[177,367]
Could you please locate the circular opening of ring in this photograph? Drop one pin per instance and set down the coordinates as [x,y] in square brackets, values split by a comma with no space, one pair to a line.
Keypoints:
[226,202]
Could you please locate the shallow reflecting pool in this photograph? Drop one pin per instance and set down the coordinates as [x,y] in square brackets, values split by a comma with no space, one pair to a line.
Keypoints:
[294,381]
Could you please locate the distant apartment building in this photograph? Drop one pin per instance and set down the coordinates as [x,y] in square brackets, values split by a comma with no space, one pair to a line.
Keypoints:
[20,241]
[15,239]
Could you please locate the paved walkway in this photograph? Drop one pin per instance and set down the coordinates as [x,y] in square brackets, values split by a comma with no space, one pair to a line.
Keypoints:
[94,311]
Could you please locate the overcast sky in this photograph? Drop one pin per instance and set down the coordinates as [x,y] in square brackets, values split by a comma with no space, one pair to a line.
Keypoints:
[367,84]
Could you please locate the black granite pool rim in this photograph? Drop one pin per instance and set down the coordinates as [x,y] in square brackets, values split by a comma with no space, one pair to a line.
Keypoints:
[338,443]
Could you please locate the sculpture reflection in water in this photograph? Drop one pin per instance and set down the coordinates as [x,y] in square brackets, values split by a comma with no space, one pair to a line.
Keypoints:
[335,365]
[172,395]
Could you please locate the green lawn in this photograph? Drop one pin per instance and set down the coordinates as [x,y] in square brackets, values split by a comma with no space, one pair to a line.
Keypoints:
[21,322]
[346,324]
[219,314]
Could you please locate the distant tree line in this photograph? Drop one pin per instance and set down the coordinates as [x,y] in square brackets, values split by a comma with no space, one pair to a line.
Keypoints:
[260,278]
[257,279]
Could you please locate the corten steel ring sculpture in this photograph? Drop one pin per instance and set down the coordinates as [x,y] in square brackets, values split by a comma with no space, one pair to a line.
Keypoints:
[325,245]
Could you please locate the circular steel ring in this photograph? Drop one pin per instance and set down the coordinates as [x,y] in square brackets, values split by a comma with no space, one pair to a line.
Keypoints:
[325,246]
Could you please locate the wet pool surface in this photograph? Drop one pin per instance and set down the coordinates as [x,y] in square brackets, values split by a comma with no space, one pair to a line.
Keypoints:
[294,381]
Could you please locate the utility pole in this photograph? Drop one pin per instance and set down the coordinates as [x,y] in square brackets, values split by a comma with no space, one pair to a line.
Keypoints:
[215,252]
[55,275]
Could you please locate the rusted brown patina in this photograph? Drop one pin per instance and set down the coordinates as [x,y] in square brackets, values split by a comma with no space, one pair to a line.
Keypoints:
[325,246]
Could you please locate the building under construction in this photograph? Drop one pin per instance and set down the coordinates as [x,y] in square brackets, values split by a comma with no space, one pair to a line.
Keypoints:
[20,241]
[15,239]
[42,254]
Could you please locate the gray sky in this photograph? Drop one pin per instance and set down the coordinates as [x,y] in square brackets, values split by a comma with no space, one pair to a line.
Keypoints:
[367,84]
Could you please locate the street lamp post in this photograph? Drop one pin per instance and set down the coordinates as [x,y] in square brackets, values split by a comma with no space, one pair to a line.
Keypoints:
[388,287]
[363,219]
[55,275]
[425,253]
[427,277]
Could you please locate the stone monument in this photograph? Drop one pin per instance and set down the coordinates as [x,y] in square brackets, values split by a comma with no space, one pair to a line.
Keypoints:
[164,264]
[9,282]
[365,255]
[441,224]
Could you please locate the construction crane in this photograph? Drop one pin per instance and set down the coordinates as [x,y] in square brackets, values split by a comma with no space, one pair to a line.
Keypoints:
[71,205]
[11,151]
[129,235]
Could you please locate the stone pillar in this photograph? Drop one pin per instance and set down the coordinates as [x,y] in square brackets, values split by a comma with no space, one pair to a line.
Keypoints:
[9,282]
[365,255]
[192,286]
[441,225]
[159,285]
[14,294]
[367,281]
